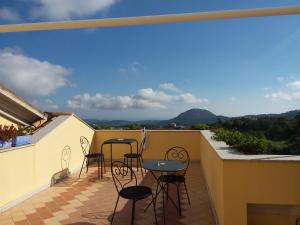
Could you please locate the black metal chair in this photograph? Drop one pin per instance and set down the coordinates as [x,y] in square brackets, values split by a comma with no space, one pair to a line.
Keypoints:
[138,156]
[128,188]
[179,154]
[86,148]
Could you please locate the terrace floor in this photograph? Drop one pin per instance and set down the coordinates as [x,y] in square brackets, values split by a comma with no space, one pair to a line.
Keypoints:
[89,201]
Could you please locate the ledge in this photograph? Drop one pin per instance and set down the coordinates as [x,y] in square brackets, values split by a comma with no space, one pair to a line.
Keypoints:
[3,150]
[226,152]
[148,130]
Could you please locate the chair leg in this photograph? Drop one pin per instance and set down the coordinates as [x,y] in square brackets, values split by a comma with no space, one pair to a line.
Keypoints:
[133,212]
[87,164]
[101,167]
[178,197]
[131,169]
[99,158]
[163,199]
[187,194]
[140,162]
[113,215]
[104,165]
[154,208]
[156,192]
[167,191]
[82,166]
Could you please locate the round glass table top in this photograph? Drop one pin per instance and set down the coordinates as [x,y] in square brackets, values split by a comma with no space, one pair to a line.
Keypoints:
[163,165]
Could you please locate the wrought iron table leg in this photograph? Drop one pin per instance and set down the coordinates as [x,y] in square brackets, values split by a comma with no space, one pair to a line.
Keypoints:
[133,212]
[161,189]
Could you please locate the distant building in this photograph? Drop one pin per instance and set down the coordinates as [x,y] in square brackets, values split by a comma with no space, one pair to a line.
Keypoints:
[173,125]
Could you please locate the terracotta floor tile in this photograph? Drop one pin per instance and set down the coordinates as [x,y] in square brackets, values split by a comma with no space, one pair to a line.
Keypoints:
[91,201]
[44,213]
[22,222]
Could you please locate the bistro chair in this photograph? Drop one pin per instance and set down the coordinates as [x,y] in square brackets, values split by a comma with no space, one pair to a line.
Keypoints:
[179,154]
[86,148]
[128,188]
[137,156]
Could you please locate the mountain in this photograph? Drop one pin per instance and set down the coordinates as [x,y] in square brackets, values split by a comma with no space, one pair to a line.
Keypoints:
[189,117]
[194,116]
[290,115]
[115,123]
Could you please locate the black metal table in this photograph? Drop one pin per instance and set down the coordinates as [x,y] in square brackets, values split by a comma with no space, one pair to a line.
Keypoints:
[126,141]
[163,166]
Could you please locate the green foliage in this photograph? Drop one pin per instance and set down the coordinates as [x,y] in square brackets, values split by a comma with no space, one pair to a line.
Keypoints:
[101,127]
[248,143]
[7,132]
[263,135]
[200,126]
[134,126]
[22,130]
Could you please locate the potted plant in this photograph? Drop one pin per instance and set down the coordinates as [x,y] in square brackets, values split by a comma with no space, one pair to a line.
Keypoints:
[7,134]
[23,136]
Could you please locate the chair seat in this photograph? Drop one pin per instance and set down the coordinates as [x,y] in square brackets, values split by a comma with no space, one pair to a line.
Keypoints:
[135,192]
[94,155]
[171,178]
[132,155]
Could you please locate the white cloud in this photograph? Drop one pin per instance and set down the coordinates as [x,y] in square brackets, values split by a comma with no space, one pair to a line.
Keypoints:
[153,95]
[9,14]
[169,87]
[189,98]
[46,105]
[100,101]
[144,99]
[276,96]
[30,76]
[68,9]
[294,85]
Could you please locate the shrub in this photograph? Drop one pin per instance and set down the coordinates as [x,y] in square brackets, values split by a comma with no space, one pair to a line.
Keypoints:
[22,130]
[7,132]
[134,126]
[200,126]
[244,142]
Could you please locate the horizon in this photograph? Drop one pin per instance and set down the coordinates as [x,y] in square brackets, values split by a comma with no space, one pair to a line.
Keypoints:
[232,68]
[137,120]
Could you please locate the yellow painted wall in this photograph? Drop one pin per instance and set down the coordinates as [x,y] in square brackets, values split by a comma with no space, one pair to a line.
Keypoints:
[50,147]
[23,170]
[212,167]
[4,121]
[157,142]
[17,176]
[259,182]
[118,150]
[272,214]
[233,184]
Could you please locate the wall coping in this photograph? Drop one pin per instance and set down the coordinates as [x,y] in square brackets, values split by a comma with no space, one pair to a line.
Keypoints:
[226,152]
[147,130]
[15,148]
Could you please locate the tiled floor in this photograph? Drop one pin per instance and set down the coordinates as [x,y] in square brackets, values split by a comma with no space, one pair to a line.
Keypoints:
[89,201]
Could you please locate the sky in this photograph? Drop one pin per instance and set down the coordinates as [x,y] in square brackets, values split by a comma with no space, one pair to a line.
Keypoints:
[230,67]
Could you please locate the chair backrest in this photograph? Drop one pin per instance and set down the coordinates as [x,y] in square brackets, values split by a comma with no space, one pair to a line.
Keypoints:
[85,145]
[143,144]
[179,154]
[121,174]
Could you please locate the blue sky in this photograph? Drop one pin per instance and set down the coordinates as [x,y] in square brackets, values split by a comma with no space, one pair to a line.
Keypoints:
[231,67]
